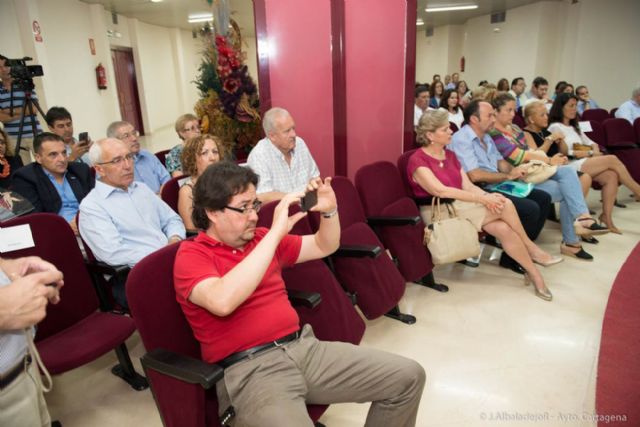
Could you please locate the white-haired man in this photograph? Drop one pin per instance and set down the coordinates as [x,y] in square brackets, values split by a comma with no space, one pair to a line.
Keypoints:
[630,110]
[282,160]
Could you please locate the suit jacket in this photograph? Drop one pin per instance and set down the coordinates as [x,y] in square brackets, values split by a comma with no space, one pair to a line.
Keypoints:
[31,182]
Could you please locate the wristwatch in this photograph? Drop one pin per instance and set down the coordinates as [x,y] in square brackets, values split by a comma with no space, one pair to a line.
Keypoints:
[330,213]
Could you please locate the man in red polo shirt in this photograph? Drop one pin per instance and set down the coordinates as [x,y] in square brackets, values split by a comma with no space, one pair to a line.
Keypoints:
[229,284]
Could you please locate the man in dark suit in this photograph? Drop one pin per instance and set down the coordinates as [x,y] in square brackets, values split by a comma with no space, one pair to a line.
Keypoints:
[52,183]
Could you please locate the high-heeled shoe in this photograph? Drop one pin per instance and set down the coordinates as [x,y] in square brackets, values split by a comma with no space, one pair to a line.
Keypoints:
[552,261]
[544,294]
[592,229]
[575,251]
[611,228]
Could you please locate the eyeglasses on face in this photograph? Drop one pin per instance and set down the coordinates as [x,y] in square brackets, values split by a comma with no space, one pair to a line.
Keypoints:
[118,160]
[246,210]
[128,135]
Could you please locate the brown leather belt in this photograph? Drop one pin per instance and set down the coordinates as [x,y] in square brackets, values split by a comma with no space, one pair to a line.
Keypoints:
[13,373]
[241,355]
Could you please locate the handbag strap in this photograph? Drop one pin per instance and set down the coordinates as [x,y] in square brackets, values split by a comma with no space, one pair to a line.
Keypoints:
[435,209]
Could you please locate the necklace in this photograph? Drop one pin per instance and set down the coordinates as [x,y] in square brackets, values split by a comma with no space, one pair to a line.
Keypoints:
[440,161]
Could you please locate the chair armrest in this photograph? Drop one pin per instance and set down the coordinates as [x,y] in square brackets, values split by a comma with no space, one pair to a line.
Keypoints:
[304,299]
[393,221]
[359,251]
[100,267]
[184,368]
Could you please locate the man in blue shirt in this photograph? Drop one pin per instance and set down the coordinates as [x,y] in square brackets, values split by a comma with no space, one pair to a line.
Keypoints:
[630,110]
[584,100]
[51,183]
[122,220]
[16,98]
[484,164]
[147,167]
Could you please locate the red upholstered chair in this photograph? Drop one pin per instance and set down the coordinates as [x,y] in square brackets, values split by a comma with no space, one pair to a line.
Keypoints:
[169,191]
[620,138]
[335,319]
[387,207]
[519,121]
[618,133]
[361,264]
[453,127]
[74,332]
[597,133]
[612,112]
[182,384]
[162,156]
[596,114]
[636,129]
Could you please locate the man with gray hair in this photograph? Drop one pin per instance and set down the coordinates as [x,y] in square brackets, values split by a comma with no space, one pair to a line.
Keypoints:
[282,160]
[146,166]
[122,220]
[630,110]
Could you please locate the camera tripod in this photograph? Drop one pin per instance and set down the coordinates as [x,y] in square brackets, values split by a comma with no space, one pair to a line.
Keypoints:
[29,103]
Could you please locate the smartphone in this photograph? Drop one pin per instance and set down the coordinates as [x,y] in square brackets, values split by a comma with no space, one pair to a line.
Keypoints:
[309,200]
[83,138]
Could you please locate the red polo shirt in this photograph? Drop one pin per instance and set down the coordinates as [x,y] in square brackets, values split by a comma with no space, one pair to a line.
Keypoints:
[265,316]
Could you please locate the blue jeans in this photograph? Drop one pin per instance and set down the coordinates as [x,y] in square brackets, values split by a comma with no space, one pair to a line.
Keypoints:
[564,187]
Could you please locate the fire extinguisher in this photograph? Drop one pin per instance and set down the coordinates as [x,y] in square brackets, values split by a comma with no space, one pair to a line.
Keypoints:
[101,76]
[462,64]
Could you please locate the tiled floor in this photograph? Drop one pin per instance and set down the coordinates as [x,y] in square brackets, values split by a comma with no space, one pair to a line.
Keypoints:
[495,355]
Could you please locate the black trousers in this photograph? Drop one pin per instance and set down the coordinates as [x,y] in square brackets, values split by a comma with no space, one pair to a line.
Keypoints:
[533,211]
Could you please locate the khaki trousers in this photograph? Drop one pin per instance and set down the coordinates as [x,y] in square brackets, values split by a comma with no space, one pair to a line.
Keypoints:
[272,388]
[22,403]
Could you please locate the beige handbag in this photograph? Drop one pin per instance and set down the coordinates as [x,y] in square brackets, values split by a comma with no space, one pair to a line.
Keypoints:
[450,239]
[538,171]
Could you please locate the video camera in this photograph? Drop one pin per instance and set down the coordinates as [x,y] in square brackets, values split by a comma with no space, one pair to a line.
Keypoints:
[23,74]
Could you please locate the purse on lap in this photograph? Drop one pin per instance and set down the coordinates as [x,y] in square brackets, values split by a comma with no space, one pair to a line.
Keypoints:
[538,171]
[450,239]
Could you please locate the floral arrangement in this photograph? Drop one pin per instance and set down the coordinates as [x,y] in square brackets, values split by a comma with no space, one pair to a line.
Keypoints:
[228,107]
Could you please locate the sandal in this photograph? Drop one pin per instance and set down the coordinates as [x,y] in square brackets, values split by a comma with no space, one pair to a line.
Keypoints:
[575,251]
[590,239]
[593,228]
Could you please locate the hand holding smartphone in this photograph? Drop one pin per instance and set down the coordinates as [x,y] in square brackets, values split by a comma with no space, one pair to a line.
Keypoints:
[309,200]
[83,138]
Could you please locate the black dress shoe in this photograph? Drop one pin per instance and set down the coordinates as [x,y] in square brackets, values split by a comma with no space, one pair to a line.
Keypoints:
[512,265]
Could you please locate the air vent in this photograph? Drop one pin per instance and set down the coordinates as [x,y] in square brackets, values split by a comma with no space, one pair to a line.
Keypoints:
[114,18]
[498,17]
[429,31]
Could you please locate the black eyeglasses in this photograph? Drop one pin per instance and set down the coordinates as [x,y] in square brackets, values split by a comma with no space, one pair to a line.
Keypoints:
[246,210]
[118,160]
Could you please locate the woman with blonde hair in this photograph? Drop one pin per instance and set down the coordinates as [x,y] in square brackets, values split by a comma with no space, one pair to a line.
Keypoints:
[434,171]
[198,153]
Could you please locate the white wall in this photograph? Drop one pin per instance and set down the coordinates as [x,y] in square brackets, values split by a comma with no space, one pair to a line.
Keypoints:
[10,42]
[593,42]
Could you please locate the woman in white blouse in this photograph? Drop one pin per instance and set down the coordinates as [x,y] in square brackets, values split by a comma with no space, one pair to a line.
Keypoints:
[587,157]
[450,103]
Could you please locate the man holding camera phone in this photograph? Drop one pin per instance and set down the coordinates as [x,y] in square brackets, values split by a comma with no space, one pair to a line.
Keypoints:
[60,122]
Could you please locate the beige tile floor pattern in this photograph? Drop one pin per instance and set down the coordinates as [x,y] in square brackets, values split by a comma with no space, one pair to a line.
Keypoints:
[491,349]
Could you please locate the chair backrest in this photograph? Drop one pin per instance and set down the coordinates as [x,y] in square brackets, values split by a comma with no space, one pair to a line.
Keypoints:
[388,190]
[170,191]
[403,164]
[453,127]
[597,133]
[406,242]
[596,114]
[612,113]
[55,242]
[351,211]
[618,132]
[162,156]
[162,324]
[518,120]
[636,128]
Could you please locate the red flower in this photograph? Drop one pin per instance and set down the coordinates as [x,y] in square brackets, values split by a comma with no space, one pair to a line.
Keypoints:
[231,85]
